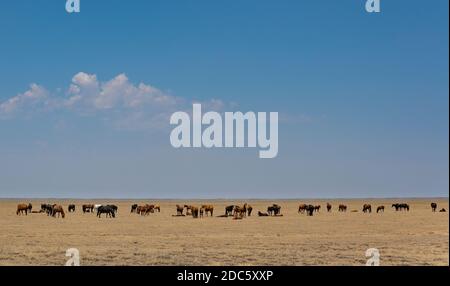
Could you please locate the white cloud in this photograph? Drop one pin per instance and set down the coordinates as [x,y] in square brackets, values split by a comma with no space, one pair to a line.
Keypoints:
[32,97]
[119,101]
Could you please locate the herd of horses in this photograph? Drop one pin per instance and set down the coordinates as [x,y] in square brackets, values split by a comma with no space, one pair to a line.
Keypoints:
[235,211]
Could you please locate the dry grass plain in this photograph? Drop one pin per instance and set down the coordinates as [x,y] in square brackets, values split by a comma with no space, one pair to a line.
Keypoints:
[418,237]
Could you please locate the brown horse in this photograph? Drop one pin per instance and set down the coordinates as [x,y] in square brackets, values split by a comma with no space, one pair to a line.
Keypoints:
[367,208]
[342,208]
[329,207]
[317,208]
[21,208]
[180,210]
[207,209]
[57,209]
[194,211]
[240,211]
[380,209]
[302,208]
[88,208]
[157,208]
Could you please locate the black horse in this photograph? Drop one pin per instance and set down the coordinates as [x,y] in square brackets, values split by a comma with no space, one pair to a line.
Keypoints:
[229,210]
[274,210]
[433,207]
[108,210]
[71,208]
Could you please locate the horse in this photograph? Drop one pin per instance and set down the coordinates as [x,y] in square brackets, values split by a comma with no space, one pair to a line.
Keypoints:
[21,208]
[240,212]
[188,209]
[442,210]
[302,208]
[380,209]
[229,210]
[328,207]
[206,209]
[367,208]
[317,208]
[401,207]
[133,208]
[194,211]
[342,208]
[274,210]
[157,208]
[71,208]
[88,208]
[249,210]
[108,210]
[310,210]
[262,214]
[180,210]
[57,209]
[433,207]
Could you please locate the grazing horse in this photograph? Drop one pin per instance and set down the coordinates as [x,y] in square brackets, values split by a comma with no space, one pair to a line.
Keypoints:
[302,208]
[71,208]
[342,208]
[88,208]
[380,209]
[108,210]
[180,210]
[57,209]
[206,209]
[328,207]
[157,208]
[229,210]
[401,207]
[21,208]
[367,208]
[433,207]
[133,208]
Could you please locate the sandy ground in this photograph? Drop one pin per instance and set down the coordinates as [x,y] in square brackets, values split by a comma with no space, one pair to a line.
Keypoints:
[418,237]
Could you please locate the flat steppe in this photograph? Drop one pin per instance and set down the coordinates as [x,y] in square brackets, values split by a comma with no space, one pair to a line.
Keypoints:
[417,237]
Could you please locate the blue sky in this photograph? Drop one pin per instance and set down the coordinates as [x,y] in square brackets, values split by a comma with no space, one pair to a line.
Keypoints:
[363,97]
